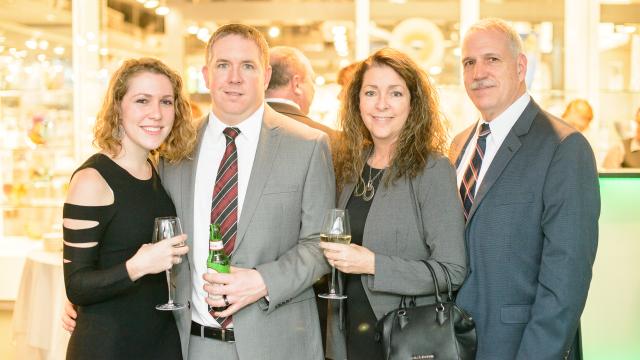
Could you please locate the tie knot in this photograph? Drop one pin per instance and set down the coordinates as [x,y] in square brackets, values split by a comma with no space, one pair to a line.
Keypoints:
[484,130]
[231,133]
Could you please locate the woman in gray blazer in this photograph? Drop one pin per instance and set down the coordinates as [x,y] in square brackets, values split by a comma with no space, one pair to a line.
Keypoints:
[393,178]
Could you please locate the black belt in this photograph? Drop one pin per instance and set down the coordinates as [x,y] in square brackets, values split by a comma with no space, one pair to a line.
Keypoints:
[212,332]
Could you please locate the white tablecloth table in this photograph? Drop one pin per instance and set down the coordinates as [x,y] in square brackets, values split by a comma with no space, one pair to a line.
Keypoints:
[37,328]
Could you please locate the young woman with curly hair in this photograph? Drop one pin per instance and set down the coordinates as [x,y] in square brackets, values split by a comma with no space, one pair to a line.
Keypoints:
[113,276]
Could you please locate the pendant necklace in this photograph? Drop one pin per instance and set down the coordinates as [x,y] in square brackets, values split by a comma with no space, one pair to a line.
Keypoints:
[369,189]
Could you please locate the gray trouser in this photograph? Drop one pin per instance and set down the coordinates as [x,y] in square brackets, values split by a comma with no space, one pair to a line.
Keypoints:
[201,348]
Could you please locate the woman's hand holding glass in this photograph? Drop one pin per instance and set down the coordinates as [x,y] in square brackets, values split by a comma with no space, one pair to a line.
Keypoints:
[157,257]
[349,259]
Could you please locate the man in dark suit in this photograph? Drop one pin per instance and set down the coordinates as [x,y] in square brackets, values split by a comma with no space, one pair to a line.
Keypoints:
[291,88]
[529,187]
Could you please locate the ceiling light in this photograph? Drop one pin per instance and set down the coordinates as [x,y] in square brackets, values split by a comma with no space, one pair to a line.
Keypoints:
[339,30]
[151,4]
[58,50]
[162,11]
[435,70]
[203,34]
[193,29]
[31,44]
[274,32]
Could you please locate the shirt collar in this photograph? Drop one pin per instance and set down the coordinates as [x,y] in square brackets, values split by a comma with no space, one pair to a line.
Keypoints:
[249,127]
[283,101]
[502,124]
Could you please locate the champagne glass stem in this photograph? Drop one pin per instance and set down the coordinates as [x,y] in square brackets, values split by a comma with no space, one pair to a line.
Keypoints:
[170,288]
[333,281]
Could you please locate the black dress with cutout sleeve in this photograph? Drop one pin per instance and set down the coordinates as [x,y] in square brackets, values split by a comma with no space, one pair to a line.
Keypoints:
[117,318]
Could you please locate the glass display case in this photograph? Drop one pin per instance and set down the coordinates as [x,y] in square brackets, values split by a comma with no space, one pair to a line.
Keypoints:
[37,156]
[36,149]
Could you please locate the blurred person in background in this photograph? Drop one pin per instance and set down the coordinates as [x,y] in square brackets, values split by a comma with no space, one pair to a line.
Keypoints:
[292,88]
[344,77]
[392,136]
[625,154]
[113,276]
[578,114]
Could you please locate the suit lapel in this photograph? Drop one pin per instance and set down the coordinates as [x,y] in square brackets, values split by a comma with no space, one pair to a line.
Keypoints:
[188,177]
[470,134]
[507,150]
[262,166]
[345,194]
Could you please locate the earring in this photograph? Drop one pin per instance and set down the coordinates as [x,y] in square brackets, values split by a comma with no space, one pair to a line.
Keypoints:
[117,132]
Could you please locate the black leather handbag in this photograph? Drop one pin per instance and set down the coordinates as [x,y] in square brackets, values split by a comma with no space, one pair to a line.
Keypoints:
[439,331]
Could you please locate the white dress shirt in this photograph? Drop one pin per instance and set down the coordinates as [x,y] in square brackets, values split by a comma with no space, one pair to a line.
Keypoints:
[500,127]
[209,157]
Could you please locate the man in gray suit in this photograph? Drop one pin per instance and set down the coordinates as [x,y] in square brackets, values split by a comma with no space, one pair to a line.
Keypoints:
[291,87]
[529,186]
[284,185]
[290,92]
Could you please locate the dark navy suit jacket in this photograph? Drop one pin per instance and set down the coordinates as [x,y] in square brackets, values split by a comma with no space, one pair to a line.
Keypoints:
[531,236]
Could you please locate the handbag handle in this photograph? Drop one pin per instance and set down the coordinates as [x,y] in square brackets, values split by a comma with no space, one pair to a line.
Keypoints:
[448,279]
[435,281]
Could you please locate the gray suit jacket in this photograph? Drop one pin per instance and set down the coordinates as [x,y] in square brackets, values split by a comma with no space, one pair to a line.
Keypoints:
[532,236]
[391,232]
[290,187]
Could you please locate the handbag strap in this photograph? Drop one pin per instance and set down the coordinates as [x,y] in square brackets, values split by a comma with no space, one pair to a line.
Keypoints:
[417,212]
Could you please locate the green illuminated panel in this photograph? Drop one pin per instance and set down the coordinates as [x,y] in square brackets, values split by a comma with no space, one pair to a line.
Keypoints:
[610,320]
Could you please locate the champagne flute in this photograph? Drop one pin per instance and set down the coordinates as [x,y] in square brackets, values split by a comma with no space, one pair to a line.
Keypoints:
[164,228]
[336,229]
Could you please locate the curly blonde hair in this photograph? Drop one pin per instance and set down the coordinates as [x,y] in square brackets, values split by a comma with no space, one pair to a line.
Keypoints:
[182,138]
[422,134]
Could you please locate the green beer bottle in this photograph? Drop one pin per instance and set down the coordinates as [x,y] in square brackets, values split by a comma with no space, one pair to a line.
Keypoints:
[217,261]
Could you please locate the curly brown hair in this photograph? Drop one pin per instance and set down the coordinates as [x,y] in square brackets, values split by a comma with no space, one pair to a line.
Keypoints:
[422,134]
[182,138]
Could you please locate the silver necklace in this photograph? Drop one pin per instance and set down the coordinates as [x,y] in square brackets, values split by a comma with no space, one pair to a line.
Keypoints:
[369,189]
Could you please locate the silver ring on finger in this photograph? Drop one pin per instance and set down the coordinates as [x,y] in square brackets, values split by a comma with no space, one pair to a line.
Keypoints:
[226,301]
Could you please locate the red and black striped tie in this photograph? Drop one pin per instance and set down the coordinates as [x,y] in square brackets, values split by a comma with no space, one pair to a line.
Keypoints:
[224,206]
[468,183]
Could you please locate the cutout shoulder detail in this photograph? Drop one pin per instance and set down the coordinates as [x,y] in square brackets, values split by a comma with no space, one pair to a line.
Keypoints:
[89,188]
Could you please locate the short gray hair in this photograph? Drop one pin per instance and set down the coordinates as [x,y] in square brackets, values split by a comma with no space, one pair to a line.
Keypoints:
[501,26]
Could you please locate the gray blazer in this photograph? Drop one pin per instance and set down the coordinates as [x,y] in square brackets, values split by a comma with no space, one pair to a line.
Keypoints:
[391,232]
[290,188]
[532,236]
